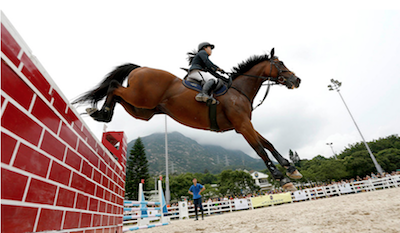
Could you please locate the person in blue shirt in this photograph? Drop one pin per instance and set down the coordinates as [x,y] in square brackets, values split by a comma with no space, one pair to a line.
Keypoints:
[196,190]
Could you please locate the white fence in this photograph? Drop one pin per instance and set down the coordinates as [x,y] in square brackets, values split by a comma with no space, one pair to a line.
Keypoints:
[347,188]
[220,207]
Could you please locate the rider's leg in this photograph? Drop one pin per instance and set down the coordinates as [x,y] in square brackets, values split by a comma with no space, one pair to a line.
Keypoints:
[210,84]
[204,95]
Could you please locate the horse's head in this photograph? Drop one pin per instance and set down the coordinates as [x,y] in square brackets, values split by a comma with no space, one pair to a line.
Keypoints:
[282,75]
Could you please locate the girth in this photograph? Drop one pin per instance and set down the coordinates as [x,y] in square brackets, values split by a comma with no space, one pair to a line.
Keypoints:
[212,115]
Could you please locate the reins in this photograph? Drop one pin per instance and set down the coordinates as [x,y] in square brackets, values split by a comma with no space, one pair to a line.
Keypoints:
[280,79]
[269,84]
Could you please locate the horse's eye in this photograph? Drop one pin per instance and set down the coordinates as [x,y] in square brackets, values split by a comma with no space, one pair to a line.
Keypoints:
[281,62]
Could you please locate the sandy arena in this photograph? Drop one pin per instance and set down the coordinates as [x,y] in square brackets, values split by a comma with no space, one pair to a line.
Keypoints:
[377,211]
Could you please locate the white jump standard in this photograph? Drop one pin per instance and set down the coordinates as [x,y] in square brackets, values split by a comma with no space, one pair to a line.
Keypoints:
[142,214]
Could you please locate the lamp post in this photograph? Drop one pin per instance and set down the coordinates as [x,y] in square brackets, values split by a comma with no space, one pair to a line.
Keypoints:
[330,144]
[336,86]
[167,192]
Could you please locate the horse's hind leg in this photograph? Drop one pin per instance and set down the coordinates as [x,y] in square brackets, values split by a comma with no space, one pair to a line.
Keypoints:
[139,113]
[106,112]
[292,172]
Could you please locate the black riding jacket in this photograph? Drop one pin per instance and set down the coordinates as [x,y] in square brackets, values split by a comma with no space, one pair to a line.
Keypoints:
[201,62]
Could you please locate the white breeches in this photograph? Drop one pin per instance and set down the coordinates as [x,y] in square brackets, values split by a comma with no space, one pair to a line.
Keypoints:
[201,76]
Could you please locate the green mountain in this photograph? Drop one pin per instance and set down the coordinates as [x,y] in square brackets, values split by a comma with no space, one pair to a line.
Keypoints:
[186,155]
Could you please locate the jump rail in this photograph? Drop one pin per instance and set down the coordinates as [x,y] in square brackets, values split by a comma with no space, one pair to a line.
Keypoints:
[143,214]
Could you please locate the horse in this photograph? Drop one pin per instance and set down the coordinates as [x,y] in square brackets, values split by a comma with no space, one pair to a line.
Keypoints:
[153,91]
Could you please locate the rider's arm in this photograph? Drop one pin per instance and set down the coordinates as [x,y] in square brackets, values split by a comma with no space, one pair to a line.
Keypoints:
[210,66]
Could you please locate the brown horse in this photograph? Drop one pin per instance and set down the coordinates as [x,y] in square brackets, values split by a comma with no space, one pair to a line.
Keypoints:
[151,91]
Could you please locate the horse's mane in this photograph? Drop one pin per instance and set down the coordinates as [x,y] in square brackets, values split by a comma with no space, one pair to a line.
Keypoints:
[248,64]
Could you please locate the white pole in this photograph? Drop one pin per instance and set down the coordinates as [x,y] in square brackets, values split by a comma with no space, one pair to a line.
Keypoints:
[167,193]
[160,198]
[336,86]
[140,192]
[377,166]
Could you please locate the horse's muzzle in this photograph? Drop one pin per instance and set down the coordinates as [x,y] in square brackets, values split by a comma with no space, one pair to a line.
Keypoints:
[293,82]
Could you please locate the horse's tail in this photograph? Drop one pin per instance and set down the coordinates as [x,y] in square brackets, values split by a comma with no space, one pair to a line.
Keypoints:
[119,74]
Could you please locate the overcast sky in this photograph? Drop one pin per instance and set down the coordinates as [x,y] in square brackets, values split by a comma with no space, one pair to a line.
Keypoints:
[79,42]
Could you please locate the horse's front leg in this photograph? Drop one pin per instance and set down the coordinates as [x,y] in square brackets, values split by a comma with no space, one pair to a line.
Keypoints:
[292,172]
[106,112]
[251,136]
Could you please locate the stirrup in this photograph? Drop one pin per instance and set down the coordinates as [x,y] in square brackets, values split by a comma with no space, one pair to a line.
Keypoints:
[211,101]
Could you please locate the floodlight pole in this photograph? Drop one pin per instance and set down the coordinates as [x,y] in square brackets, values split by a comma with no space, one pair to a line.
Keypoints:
[167,192]
[336,86]
[330,144]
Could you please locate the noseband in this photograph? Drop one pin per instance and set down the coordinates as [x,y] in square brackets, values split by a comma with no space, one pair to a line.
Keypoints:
[280,79]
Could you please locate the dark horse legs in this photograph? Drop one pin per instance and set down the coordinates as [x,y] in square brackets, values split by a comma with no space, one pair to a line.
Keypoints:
[291,170]
[106,112]
[252,137]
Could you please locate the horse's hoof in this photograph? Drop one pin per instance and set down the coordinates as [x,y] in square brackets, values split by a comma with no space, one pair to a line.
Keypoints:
[294,175]
[102,119]
[289,187]
[90,111]
[101,116]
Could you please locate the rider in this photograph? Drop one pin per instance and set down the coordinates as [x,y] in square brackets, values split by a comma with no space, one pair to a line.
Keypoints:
[204,71]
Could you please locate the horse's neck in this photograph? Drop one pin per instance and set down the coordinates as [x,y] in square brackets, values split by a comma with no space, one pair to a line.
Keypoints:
[250,85]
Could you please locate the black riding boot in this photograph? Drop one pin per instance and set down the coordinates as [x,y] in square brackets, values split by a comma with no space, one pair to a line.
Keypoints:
[202,214]
[204,95]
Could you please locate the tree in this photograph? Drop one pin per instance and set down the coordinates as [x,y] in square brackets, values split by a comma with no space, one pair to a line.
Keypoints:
[389,159]
[209,192]
[137,169]
[180,184]
[294,157]
[291,155]
[236,183]
[359,163]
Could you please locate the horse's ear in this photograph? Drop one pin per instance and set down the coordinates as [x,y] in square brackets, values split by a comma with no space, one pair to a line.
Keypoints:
[272,52]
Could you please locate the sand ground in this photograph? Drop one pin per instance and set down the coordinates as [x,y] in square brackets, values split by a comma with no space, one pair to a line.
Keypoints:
[377,211]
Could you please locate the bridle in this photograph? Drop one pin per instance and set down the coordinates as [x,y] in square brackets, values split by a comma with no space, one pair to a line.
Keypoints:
[280,79]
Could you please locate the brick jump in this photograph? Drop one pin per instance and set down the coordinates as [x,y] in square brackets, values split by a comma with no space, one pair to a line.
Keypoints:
[55,175]
[143,215]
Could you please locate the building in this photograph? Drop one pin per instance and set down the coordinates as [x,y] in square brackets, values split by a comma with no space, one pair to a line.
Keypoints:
[261,180]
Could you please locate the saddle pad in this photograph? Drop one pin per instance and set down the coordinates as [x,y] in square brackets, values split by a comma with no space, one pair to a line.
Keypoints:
[194,86]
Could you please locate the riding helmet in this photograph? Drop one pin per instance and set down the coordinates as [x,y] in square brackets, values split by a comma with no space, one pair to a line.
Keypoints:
[205,44]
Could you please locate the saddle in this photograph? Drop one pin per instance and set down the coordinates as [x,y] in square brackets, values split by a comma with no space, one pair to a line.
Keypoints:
[193,84]
[221,89]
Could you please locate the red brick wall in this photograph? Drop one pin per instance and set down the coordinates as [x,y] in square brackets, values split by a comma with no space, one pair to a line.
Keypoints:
[55,175]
